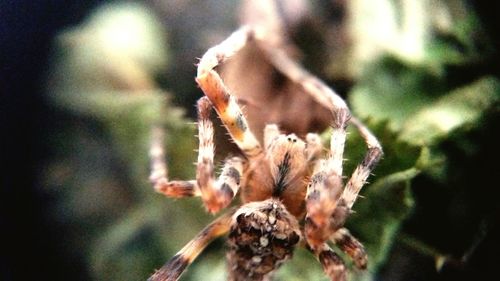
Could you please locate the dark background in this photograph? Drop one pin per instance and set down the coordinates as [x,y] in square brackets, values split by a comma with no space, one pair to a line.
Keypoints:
[30,243]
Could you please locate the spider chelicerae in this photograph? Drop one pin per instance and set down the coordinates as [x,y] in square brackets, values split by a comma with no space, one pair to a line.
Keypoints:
[291,193]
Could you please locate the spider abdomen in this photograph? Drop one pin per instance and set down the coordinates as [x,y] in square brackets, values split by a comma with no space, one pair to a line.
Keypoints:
[263,235]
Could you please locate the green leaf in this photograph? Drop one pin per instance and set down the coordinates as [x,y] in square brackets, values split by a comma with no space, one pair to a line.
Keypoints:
[461,107]
[393,91]
[415,104]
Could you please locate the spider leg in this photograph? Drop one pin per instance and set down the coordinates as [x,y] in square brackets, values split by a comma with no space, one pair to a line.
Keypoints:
[363,170]
[159,171]
[321,202]
[326,184]
[332,263]
[271,132]
[172,270]
[215,194]
[351,246]
[225,104]
[314,148]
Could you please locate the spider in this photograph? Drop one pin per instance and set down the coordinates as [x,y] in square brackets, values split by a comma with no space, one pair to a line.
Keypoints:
[292,195]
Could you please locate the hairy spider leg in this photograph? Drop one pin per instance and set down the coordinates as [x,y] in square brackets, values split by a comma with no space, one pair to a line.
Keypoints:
[173,269]
[159,170]
[215,194]
[323,191]
[351,246]
[363,170]
[225,104]
[332,263]
[271,132]
[314,149]
[326,183]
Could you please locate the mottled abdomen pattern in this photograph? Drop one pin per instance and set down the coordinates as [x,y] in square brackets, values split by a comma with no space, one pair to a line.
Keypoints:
[262,237]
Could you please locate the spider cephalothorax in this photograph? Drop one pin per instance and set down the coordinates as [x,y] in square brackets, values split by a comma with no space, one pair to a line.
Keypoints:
[290,189]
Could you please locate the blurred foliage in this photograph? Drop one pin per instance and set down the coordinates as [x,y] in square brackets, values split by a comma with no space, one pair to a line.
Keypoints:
[413,105]
[103,87]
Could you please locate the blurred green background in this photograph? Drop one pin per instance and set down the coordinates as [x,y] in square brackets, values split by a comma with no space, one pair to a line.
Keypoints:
[87,79]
